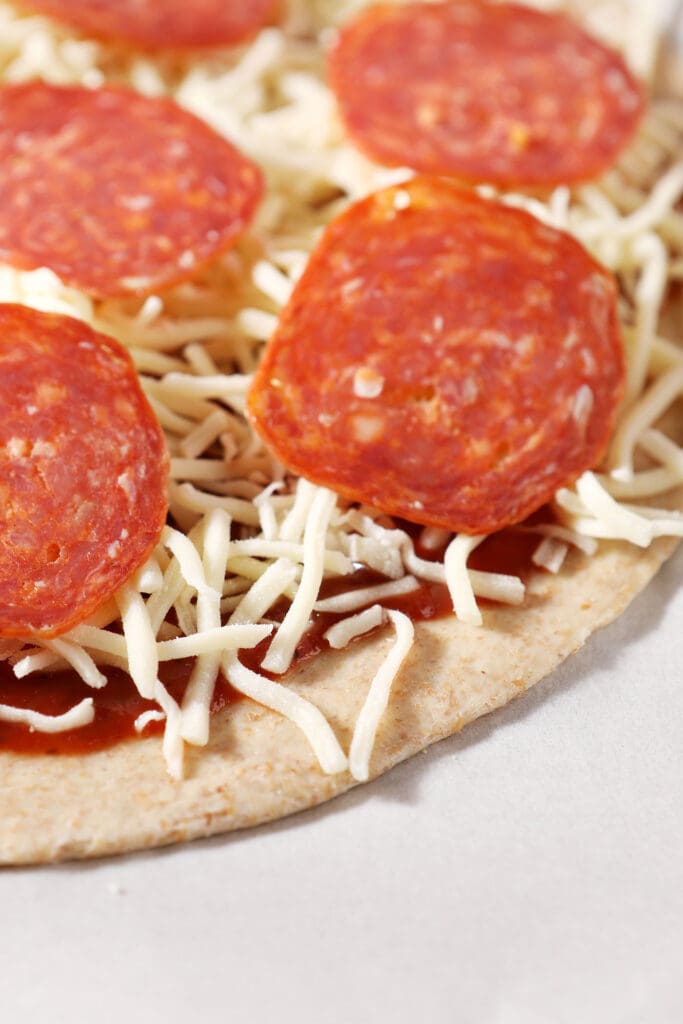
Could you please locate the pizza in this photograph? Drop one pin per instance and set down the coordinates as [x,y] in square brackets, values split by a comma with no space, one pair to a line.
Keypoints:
[334,414]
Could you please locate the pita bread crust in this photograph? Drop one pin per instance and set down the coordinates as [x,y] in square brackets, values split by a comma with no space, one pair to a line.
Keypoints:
[258,766]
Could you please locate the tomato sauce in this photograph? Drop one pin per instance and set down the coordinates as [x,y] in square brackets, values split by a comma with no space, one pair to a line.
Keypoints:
[118,704]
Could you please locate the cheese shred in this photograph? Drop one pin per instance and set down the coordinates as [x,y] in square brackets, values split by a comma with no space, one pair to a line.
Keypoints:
[377,699]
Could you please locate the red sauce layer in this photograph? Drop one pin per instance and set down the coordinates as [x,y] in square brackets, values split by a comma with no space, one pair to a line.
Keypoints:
[118,704]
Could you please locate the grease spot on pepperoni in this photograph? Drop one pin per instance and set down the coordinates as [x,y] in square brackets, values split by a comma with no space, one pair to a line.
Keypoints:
[83,472]
[477,424]
[483,92]
[116,192]
[167,25]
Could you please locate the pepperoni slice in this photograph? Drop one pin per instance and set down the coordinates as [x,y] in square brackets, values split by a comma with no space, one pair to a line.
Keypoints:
[483,92]
[171,25]
[444,358]
[83,471]
[115,192]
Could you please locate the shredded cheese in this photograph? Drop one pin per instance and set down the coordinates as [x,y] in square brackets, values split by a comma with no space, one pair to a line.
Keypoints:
[360,596]
[459,584]
[550,554]
[378,697]
[196,706]
[78,716]
[305,715]
[342,633]
[281,650]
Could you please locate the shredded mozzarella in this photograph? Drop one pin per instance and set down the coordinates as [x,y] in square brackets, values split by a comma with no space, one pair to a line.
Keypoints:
[196,706]
[80,715]
[458,581]
[343,632]
[377,699]
[357,598]
[281,650]
[301,712]
[550,554]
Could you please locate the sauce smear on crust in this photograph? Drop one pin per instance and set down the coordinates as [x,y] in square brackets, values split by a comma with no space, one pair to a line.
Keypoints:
[118,704]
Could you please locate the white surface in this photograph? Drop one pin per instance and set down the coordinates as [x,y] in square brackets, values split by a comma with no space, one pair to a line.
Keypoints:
[528,871]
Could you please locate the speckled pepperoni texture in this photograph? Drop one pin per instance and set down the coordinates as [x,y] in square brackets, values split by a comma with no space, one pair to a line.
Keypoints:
[443,358]
[499,93]
[162,24]
[83,472]
[116,192]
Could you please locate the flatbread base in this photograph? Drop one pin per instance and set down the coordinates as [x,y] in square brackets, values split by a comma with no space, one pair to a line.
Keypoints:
[258,766]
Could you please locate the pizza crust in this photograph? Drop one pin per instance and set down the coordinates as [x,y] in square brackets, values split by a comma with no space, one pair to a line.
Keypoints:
[258,766]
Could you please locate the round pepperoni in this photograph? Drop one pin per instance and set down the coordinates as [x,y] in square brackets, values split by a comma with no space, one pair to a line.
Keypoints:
[115,192]
[483,92]
[83,472]
[167,25]
[444,358]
